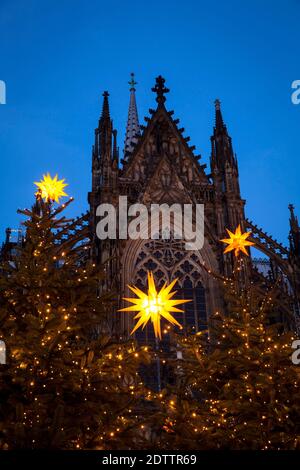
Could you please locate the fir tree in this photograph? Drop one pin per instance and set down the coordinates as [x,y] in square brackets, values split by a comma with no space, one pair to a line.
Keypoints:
[236,385]
[62,386]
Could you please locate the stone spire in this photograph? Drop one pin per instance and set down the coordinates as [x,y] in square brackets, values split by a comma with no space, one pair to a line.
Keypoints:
[294,236]
[219,123]
[225,176]
[133,127]
[105,106]
[103,133]
[222,151]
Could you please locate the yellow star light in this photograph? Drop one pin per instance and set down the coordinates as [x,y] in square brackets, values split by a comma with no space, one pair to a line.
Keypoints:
[154,305]
[237,241]
[51,189]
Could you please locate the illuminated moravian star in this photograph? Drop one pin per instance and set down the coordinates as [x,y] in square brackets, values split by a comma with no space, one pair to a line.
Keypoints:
[154,305]
[51,189]
[237,241]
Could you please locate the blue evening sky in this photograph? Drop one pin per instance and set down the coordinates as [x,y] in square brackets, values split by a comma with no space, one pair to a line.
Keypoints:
[57,57]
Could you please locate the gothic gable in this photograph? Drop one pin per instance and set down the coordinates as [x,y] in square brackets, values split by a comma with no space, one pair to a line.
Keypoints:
[161,138]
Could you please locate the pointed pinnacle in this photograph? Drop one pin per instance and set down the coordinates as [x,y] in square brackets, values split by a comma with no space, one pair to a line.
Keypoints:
[105,107]
[218,116]
[217,104]
[132,127]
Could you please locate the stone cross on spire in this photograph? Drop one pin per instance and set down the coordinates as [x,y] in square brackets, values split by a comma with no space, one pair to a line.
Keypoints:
[132,82]
[160,90]
[133,127]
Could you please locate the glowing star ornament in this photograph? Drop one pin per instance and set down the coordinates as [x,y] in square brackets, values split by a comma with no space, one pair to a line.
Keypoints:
[51,189]
[237,241]
[154,306]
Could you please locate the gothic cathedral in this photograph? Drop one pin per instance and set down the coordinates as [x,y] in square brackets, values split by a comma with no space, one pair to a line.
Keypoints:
[159,166]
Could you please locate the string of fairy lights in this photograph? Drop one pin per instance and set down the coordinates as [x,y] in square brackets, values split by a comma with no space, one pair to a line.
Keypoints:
[153,306]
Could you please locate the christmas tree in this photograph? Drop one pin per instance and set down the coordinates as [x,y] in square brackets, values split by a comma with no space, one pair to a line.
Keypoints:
[63,386]
[237,387]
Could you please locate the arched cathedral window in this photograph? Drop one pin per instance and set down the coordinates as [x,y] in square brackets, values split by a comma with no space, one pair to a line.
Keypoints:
[168,259]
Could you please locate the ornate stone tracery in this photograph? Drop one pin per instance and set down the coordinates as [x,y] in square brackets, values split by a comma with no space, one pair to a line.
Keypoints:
[168,259]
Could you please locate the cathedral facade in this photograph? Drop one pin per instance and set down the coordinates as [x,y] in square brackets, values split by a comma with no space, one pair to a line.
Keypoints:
[159,166]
